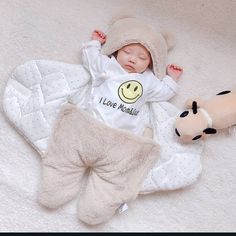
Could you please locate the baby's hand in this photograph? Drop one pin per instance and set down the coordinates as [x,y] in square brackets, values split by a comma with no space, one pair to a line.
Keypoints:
[99,35]
[174,72]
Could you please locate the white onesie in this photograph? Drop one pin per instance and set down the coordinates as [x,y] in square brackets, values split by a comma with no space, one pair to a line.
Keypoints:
[117,97]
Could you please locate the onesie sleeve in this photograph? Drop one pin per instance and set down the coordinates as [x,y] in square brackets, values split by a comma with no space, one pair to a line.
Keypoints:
[162,90]
[92,58]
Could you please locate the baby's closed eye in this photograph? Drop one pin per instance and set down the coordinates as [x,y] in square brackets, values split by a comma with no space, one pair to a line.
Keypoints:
[143,58]
[126,51]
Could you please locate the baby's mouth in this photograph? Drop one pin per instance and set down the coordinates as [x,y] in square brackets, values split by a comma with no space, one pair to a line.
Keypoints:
[130,68]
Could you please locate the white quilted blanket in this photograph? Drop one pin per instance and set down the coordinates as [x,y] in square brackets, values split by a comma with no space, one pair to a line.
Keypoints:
[37,89]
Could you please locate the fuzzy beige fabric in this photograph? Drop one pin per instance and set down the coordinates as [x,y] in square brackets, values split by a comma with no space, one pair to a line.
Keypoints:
[129,30]
[103,167]
[206,49]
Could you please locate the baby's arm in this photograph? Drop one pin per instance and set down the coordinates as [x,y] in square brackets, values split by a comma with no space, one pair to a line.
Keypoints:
[92,58]
[165,89]
[169,86]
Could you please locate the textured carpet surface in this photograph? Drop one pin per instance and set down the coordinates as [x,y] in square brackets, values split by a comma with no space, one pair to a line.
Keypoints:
[55,30]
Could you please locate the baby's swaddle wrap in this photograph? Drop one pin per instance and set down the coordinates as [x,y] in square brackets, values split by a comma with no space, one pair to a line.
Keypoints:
[36,92]
[116,163]
[32,109]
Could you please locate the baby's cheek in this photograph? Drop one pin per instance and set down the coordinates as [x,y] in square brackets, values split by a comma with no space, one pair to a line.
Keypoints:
[145,65]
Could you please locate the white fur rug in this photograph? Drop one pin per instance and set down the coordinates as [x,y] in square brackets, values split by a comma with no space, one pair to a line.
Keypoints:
[55,30]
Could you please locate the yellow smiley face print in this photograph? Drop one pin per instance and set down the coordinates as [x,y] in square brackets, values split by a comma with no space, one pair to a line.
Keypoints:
[130,91]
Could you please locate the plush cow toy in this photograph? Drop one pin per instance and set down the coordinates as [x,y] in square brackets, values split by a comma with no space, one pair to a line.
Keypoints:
[206,116]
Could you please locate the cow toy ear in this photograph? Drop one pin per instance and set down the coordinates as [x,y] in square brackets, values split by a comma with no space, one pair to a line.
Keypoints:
[209,131]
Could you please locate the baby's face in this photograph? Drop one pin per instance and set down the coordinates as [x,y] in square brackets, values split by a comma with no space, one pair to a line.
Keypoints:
[134,58]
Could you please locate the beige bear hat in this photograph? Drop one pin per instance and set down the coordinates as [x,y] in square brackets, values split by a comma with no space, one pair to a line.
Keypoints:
[129,30]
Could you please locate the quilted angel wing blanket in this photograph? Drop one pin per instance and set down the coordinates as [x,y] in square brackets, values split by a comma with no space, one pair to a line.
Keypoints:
[36,91]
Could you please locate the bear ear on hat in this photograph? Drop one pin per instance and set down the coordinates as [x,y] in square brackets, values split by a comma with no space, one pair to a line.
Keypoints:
[170,39]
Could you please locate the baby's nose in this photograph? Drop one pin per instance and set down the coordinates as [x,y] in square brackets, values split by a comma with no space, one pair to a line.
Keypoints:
[132,59]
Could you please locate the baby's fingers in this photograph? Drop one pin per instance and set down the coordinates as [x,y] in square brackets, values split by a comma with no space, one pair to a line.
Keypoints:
[100,34]
[175,67]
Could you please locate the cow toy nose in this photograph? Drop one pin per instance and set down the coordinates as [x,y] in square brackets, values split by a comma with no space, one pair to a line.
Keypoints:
[177,132]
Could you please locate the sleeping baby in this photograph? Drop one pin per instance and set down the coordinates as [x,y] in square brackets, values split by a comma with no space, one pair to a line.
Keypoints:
[100,163]
[124,81]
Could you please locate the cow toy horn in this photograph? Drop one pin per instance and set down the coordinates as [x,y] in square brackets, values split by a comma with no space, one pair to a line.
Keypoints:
[194,107]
